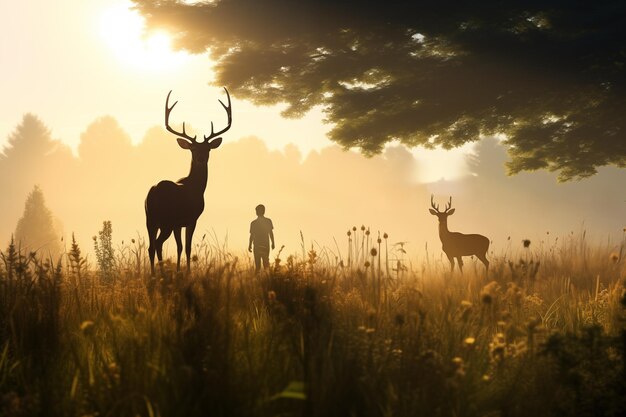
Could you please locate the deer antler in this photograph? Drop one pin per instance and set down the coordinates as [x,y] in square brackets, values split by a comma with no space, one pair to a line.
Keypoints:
[432,204]
[168,110]
[229,114]
[448,205]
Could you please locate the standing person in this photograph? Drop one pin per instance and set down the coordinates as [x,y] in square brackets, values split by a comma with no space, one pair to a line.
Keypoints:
[261,232]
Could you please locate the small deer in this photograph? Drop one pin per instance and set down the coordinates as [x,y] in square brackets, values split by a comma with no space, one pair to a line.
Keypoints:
[170,206]
[456,245]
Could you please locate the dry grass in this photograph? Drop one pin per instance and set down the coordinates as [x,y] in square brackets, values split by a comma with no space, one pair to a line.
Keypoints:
[321,334]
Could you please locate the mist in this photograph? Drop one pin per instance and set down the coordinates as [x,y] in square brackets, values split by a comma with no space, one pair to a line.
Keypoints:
[323,194]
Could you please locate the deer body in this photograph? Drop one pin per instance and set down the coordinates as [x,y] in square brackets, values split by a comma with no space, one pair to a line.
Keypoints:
[455,244]
[170,206]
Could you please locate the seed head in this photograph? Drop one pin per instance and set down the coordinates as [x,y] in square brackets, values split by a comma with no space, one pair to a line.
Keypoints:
[526,243]
[362,228]
[367,264]
[349,233]
[373,252]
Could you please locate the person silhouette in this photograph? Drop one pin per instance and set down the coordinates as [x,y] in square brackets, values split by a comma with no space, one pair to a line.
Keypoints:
[261,232]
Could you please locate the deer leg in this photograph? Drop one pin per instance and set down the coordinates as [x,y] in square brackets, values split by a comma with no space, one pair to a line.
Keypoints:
[188,236]
[165,233]
[152,232]
[179,247]
[459,260]
[451,259]
[483,259]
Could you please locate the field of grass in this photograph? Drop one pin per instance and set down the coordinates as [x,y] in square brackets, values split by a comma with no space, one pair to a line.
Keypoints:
[363,334]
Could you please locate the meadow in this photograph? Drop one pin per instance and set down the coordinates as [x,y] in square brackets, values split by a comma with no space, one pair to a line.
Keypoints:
[367,332]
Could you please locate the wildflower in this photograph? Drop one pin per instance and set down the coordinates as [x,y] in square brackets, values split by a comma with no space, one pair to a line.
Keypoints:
[379,240]
[87,327]
[367,232]
[367,264]
[194,258]
[469,341]
[362,228]
[132,240]
[526,243]
[349,233]
[385,235]
[458,366]
[354,228]
[373,252]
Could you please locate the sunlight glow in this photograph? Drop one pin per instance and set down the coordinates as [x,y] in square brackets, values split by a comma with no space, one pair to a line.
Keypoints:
[123,29]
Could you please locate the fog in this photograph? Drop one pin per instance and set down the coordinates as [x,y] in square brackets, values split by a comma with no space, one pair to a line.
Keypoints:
[322,194]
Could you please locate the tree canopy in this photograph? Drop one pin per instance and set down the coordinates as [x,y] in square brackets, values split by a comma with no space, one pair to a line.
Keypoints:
[548,74]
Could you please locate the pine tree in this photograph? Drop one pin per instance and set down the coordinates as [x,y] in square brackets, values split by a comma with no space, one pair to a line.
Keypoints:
[35,230]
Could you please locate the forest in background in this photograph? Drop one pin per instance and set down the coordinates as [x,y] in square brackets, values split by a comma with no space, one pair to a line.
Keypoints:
[322,194]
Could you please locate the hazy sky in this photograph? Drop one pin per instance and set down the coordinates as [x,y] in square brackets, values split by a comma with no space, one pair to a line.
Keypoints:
[70,62]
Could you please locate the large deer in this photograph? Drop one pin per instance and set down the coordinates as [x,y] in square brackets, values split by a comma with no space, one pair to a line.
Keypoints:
[170,206]
[456,245]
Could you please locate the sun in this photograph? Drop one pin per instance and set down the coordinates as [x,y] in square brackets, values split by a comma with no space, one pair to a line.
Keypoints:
[123,30]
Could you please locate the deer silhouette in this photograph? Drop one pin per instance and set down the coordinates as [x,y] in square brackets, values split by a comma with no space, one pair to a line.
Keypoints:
[456,245]
[170,206]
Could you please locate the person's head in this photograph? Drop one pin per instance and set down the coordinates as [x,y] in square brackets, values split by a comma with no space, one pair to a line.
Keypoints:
[260,210]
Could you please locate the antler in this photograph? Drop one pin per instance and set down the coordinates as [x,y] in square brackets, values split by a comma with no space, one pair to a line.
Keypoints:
[229,114]
[432,204]
[168,110]
[436,207]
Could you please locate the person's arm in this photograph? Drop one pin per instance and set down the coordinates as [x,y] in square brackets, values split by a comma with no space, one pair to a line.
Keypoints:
[250,241]
[272,238]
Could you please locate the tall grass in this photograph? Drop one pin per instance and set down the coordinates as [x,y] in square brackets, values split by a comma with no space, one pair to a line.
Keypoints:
[324,333]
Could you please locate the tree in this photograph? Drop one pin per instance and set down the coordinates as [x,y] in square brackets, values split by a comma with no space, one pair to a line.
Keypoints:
[28,143]
[35,230]
[547,74]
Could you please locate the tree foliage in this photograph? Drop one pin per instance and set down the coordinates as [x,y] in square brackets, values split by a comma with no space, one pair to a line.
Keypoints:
[547,74]
[35,229]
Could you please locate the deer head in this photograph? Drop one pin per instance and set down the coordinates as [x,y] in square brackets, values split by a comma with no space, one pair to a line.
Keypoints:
[441,215]
[199,150]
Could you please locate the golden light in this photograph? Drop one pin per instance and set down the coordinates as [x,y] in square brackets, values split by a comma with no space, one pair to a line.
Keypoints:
[123,30]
